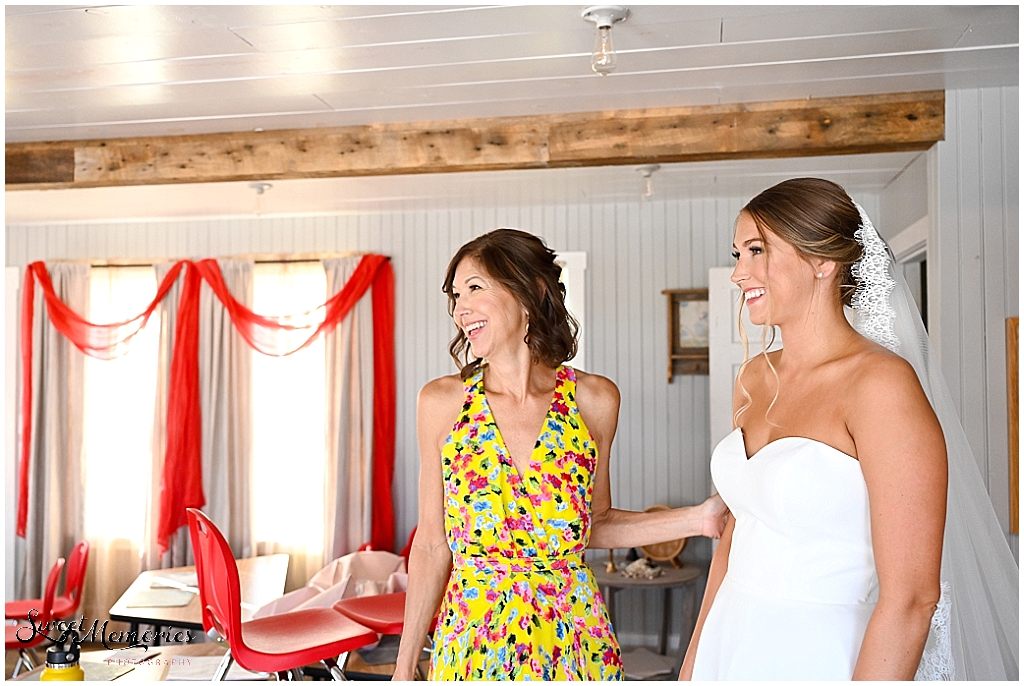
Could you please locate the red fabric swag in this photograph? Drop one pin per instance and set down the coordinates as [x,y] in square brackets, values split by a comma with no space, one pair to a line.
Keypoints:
[181,480]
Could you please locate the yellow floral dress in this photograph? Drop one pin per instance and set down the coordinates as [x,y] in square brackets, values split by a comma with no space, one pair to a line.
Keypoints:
[521,603]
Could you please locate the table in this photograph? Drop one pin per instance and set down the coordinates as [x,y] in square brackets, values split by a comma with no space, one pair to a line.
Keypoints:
[149,666]
[685,577]
[261,580]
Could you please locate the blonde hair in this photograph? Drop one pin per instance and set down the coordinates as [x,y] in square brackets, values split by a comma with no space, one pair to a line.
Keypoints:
[765,344]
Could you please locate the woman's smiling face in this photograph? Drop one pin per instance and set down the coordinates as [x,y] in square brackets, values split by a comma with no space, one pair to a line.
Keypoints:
[773,296]
[488,314]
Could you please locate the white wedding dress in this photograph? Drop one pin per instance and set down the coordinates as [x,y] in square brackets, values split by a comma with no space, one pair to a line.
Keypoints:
[801,582]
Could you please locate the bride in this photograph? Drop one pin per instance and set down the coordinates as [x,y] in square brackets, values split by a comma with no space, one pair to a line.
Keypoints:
[832,565]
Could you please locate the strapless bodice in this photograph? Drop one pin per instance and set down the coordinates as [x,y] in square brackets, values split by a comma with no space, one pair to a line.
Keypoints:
[803,529]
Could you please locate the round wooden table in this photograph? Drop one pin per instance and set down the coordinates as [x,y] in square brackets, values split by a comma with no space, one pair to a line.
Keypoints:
[686,577]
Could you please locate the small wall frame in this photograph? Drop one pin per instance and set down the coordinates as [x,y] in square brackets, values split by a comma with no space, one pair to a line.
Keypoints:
[687,331]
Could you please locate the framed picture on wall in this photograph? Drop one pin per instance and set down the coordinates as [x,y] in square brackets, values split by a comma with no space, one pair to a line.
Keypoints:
[687,331]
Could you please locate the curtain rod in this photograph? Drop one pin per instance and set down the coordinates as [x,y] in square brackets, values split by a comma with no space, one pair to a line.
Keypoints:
[263,258]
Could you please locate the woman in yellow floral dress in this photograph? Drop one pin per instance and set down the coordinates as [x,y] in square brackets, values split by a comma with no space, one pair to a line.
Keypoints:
[506,513]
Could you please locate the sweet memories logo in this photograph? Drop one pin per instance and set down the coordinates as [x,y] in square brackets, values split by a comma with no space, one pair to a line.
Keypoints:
[62,632]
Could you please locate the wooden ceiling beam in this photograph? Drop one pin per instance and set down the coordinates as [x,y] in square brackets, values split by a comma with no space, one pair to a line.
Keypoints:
[834,126]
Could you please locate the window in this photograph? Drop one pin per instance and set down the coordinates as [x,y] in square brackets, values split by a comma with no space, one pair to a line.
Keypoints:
[120,398]
[289,414]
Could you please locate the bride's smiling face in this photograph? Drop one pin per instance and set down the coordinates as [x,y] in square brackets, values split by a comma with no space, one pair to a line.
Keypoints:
[777,294]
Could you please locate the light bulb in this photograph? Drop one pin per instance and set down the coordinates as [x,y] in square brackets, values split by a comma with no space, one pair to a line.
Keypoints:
[260,187]
[647,171]
[603,60]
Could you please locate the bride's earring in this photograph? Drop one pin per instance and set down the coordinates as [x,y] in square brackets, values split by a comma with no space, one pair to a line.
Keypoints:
[821,275]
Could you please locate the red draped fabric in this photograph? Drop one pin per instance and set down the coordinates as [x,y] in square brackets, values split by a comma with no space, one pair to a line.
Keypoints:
[181,482]
[382,527]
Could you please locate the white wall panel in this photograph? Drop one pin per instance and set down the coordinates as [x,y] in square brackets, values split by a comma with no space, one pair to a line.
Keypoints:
[973,285]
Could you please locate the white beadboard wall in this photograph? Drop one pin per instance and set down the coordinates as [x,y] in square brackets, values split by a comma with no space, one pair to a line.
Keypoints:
[635,250]
[974,267]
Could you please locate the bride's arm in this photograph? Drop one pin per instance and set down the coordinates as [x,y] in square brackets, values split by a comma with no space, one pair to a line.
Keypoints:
[902,454]
[719,566]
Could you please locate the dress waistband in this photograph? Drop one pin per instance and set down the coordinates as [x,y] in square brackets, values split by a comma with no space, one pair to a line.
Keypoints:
[517,564]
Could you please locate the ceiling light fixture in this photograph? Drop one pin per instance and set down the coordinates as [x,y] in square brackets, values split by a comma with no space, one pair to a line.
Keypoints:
[260,187]
[603,60]
[646,171]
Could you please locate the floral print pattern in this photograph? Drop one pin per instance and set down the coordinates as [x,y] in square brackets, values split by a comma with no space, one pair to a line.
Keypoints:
[520,602]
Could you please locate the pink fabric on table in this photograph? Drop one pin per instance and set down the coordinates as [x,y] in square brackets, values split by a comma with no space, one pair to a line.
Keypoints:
[368,572]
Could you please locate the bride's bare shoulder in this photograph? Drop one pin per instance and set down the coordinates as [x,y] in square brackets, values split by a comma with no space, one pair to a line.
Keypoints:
[876,370]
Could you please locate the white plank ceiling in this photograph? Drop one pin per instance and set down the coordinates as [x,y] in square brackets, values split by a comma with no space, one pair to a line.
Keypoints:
[114,71]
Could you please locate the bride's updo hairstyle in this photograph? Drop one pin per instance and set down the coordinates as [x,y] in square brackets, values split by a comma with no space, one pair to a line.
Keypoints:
[526,268]
[816,217]
[819,219]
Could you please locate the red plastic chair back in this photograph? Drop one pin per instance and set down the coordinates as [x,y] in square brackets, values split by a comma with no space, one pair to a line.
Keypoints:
[68,603]
[45,614]
[219,589]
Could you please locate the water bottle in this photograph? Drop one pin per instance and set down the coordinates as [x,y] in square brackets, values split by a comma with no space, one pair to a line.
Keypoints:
[62,661]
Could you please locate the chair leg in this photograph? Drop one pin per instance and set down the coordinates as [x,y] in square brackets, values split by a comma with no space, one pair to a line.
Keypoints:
[223,667]
[425,654]
[25,657]
[337,667]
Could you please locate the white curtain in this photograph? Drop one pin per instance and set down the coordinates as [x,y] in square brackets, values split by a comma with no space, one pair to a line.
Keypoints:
[55,521]
[225,372]
[348,503]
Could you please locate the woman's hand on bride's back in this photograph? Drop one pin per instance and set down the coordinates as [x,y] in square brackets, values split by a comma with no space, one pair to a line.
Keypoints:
[714,514]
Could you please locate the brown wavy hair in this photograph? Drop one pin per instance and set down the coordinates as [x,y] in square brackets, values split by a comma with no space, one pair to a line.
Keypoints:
[522,264]
[819,219]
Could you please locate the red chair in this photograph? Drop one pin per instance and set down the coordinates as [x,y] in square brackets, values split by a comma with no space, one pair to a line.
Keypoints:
[32,639]
[66,604]
[383,613]
[279,643]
